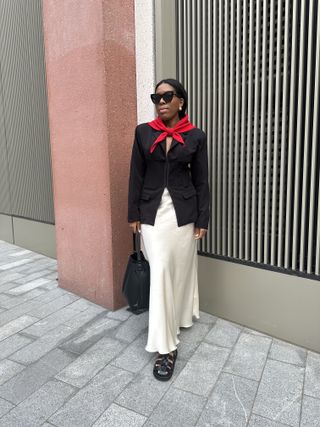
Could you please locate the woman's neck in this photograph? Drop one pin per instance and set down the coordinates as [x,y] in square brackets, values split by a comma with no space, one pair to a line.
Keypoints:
[172,122]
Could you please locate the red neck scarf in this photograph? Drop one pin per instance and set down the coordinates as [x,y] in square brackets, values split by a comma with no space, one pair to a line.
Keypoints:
[183,125]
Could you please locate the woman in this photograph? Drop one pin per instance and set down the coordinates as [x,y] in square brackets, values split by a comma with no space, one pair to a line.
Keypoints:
[169,204]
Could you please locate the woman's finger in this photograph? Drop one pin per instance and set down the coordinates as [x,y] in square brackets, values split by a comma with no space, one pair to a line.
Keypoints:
[203,232]
[197,233]
[133,226]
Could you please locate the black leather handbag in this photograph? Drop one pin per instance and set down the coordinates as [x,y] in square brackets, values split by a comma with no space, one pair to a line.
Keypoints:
[136,282]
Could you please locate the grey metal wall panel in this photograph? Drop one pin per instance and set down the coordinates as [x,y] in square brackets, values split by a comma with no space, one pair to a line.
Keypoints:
[25,109]
[260,60]
[4,172]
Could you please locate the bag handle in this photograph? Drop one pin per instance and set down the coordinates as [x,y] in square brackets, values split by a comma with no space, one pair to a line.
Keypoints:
[137,244]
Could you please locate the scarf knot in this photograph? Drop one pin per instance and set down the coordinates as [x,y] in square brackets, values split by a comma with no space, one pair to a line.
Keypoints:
[183,125]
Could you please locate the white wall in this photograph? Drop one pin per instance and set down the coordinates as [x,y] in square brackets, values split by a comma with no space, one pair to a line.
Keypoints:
[145,58]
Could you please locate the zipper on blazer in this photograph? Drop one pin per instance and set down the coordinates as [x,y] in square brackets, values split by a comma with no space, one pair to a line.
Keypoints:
[166,174]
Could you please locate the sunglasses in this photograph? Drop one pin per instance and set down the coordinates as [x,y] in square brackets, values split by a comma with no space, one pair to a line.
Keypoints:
[167,97]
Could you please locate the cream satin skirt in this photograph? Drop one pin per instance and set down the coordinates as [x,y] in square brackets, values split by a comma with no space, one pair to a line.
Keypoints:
[174,298]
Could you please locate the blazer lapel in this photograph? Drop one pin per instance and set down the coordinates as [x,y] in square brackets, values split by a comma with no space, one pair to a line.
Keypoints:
[162,144]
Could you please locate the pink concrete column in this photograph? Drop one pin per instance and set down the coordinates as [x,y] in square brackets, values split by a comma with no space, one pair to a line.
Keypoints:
[90,63]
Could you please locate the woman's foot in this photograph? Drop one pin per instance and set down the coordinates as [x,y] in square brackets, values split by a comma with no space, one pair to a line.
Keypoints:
[164,365]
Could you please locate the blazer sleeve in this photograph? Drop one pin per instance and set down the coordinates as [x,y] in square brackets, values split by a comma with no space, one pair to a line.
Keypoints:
[199,173]
[136,178]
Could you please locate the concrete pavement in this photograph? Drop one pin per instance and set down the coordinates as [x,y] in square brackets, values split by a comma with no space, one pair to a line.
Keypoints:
[65,361]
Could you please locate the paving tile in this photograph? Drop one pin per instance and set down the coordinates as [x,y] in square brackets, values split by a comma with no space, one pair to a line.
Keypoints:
[5,407]
[92,361]
[50,322]
[9,369]
[248,356]
[288,353]
[47,297]
[30,268]
[202,370]
[10,265]
[310,412]
[39,406]
[121,314]
[254,332]
[28,278]
[20,253]
[190,339]
[7,286]
[134,357]
[6,301]
[224,333]
[54,305]
[34,376]
[15,326]
[83,318]
[144,392]
[91,333]
[312,379]
[279,393]
[230,403]
[83,304]
[10,301]
[207,318]
[117,416]
[257,421]
[12,344]
[21,309]
[178,405]
[38,264]
[133,327]
[53,284]
[58,359]
[9,276]
[38,348]
[53,275]
[91,401]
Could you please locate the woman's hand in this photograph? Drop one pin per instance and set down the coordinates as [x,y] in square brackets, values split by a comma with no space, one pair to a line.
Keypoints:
[199,233]
[135,226]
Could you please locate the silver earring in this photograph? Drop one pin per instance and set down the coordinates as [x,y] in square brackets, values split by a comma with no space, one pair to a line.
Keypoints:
[180,108]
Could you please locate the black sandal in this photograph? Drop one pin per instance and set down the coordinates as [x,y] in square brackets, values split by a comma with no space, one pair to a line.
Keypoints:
[164,366]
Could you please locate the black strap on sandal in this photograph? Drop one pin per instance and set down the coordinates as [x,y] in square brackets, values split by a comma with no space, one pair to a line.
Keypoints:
[164,366]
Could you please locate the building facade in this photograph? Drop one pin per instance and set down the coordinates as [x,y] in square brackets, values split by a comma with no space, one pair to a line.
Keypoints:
[251,69]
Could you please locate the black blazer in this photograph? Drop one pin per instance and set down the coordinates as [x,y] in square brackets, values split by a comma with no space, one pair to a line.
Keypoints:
[184,171]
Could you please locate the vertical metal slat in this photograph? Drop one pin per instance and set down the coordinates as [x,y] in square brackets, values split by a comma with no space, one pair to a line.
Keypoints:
[225,129]
[297,190]
[237,137]
[293,75]
[305,192]
[249,134]
[314,227]
[231,128]
[257,101]
[275,184]
[269,137]
[262,129]
[243,128]
[185,40]
[285,94]
[214,206]
[220,130]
